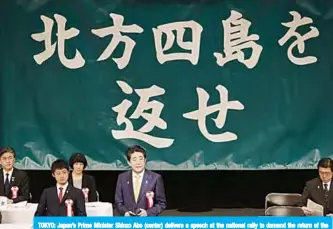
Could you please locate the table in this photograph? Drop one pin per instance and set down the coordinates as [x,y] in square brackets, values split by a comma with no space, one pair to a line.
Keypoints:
[16,226]
[25,215]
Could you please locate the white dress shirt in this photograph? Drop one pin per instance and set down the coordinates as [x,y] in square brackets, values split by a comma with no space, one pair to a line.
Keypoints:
[9,176]
[328,185]
[64,187]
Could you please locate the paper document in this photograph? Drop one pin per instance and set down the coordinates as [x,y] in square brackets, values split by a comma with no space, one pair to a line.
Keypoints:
[317,209]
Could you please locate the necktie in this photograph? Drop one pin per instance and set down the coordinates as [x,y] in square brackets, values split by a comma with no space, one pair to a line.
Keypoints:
[136,188]
[60,194]
[326,192]
[7,184]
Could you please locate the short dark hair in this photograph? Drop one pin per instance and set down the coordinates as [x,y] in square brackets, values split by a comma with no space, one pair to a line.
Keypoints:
[325,163]
[78,157]
[7,149]
[135,148]
[59,164]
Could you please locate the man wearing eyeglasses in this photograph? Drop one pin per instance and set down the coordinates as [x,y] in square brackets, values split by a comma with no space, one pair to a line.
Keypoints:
[320,189]
[14,183]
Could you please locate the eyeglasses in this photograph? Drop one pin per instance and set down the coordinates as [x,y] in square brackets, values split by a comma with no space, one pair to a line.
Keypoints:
[10,158]
[325,173]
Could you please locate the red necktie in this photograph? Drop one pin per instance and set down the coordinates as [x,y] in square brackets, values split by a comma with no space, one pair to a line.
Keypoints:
[60,195]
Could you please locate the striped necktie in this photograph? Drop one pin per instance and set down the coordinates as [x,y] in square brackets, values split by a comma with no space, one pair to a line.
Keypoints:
[326,191]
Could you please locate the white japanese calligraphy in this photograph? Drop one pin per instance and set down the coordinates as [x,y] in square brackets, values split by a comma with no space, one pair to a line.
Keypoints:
[299,42]
[236,39]
[222,109]
[192,47]
[153,119]
[116,31]
[62,35]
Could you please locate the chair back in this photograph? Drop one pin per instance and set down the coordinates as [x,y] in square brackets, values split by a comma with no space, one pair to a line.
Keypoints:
[284,211]
[282,199]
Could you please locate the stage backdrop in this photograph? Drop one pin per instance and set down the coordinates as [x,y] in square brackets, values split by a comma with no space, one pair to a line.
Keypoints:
[199,84]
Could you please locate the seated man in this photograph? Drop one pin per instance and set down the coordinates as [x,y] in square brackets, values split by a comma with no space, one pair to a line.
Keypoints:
[139,191]
[14,183]
[319,189]
[61,199]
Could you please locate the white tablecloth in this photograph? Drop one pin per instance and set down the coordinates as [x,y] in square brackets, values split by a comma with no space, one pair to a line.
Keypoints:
[25,215]
[16,226]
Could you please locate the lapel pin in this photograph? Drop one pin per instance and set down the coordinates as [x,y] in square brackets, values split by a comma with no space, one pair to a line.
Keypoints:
[146,182]
[127,182]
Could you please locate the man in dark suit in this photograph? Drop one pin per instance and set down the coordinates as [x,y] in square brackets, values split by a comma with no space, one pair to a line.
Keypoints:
[139,191]
[320,189]
[14,183]
[62,199]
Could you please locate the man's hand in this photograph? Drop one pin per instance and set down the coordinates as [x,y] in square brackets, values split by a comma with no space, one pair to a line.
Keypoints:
[129,213]
[307,211]
[9,201]
[142,212]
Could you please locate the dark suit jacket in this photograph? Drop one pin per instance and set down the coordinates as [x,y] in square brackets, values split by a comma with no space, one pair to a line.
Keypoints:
[49,203]
[20,179]
[124,197]
[87,182]
[314,191]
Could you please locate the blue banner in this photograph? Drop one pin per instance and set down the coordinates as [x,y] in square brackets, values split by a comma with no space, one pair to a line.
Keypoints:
[183,222]
[201,85]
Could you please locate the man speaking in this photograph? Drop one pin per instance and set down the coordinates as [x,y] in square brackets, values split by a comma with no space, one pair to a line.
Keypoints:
[139,192]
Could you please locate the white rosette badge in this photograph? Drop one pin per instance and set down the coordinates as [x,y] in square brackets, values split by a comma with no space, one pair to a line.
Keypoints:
[14,190]
[69,207]
[85,193]
[150,199]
